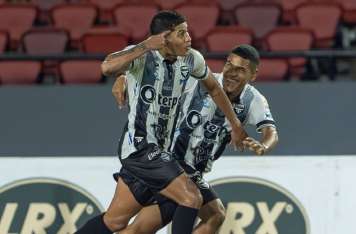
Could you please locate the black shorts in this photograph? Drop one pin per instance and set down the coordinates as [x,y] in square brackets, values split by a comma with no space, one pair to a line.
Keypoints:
[140,191]
[153,167]
[145,197]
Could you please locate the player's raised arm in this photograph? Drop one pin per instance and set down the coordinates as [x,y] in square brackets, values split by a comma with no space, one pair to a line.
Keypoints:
[117,63]
[238,134]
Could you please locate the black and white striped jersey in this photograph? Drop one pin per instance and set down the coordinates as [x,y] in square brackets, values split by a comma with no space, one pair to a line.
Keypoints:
[203,131]
[154,87]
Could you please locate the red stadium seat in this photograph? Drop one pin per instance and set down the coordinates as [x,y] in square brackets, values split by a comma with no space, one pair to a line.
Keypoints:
[227,8]
[16,19]
[77,19]
[222,39]
[80,71]
[198,13]
[96,41]
[215,65]
[169,5]
[349,11]
[289,7]
[261,18]
[4,40]
[136,19]
[45,41]
[19,72]
[105,8]
[46,5]
[272,69]
[291,39]
[322,19]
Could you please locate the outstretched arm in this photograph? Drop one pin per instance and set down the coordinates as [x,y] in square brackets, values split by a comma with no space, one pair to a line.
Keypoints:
[238,134]
[268,141]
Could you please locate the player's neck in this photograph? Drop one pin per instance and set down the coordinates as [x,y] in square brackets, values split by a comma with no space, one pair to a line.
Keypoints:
[166,55]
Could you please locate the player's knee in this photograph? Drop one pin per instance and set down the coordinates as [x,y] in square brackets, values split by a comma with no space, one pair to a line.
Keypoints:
[193,199]
[116,224]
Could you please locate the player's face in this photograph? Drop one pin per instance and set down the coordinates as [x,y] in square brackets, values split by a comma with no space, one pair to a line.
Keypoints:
[237,73]
[179,41]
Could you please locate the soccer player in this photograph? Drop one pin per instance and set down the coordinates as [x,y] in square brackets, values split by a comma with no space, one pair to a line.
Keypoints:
[157,72]
[202,134]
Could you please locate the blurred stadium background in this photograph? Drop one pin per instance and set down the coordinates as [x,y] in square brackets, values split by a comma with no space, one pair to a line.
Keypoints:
[59,120]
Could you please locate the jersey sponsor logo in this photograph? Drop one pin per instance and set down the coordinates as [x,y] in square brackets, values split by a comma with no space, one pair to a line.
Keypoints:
[45,205]
[148,95]
[255,205]
[212,131]
[239,108]
[193,119]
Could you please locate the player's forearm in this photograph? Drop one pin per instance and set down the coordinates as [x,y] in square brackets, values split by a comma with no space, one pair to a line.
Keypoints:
[117,63]
[269,138]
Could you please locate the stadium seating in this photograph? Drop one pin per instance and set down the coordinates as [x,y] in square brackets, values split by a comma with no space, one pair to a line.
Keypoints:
[349,11]
[289,7]
[261,18]
[105,9]
[223,38]
[4,40]
[45,6]
[80,71]
[215,65]
[198,13]
[227,8]
[135,19]
[171,4]
[77,19]
[322,19]
[16,19]
[19,72]
[291,39]
[45,41]
[272,69]
[103,41]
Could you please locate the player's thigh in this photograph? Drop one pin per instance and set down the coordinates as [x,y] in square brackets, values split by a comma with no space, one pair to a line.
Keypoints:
[183,191]
[212,209]
[123,205]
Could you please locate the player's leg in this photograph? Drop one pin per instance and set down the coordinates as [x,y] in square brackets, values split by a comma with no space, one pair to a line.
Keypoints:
[123,206]
[162,174]
[152,218]
[212,213]
[186,194]
[212,216]
[148,221]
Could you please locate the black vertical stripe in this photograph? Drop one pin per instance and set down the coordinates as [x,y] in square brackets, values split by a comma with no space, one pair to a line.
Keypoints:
[161,131]
[182,142]
[142,107]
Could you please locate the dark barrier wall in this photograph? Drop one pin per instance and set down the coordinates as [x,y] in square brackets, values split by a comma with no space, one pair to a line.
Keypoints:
[312,118]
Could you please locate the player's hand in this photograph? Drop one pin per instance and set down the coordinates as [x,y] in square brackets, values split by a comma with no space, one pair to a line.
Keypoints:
[119,91]
[156,42]
[238,134]
[254,146]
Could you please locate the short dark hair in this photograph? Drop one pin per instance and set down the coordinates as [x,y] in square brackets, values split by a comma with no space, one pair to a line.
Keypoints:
[165,20]
[248,52]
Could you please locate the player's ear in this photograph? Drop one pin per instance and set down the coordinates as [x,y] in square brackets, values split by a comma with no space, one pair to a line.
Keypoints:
[254,75]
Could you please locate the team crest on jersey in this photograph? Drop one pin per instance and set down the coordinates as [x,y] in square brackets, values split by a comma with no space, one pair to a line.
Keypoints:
[239,108]
[184,71]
